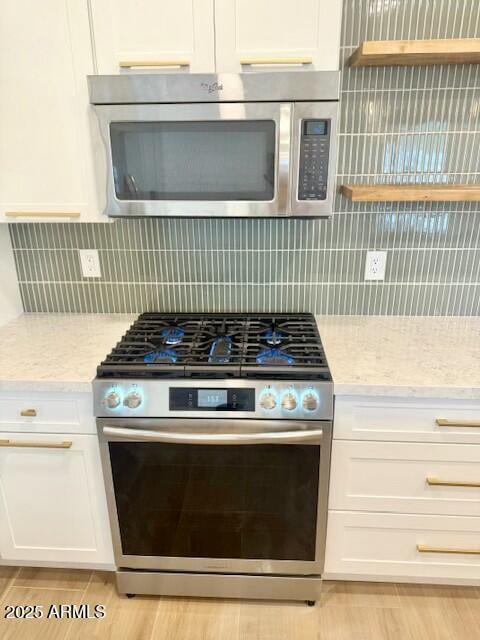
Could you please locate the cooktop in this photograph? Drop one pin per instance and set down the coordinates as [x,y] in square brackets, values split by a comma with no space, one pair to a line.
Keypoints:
[214,345]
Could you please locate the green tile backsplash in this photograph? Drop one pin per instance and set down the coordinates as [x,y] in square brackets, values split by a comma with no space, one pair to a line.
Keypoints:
[412,124]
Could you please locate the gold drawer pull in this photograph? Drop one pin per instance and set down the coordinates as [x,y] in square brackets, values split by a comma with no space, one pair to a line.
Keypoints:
[28,413]
[436,482]
[423,548]
[280,61]
[42,214]
[443,422]
[66,444]
[130,64]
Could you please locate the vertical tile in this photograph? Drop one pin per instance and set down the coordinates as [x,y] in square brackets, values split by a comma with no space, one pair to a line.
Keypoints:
[397,124]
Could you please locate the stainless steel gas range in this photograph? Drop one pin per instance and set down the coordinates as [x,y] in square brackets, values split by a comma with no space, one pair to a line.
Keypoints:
[215,435]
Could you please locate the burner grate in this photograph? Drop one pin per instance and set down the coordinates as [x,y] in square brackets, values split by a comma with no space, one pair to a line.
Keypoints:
[219,346]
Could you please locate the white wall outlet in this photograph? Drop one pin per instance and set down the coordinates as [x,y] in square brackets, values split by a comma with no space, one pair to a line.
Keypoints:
[90,263]
[375,265]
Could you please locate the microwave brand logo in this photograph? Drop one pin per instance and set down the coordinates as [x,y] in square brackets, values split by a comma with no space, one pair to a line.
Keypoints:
[211,88]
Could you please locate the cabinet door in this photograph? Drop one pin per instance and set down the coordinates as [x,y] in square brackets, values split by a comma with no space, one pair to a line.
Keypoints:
[259,34]
[45,168]
[52,502]
[153,35]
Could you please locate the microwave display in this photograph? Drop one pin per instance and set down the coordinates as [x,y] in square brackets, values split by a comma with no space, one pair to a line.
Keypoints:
[315,127]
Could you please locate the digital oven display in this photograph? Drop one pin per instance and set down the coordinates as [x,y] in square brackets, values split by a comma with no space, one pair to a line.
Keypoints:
[192,399]
[211,399]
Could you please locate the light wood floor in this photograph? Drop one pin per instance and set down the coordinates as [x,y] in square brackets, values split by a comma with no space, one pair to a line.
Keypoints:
[347,611]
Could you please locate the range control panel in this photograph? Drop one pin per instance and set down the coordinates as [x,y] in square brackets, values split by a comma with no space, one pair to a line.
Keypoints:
[279,399]
[313,161]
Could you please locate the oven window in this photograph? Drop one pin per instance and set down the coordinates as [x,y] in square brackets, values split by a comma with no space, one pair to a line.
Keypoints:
[216,501]
[212,160]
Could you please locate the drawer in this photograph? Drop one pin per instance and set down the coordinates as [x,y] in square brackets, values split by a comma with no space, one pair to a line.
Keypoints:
[405,477]
[389,546]
[414,420]
[47,413]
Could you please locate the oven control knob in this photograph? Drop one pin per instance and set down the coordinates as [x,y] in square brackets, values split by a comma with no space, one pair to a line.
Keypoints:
[112,400]
[268,400]
[289,401]
[133,400]
[310,401]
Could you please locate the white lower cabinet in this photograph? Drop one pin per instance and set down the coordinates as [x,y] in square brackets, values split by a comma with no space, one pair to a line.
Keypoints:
[405,477]
[377,546]
[47,413]
[52,501]
[404,499]
[407,419]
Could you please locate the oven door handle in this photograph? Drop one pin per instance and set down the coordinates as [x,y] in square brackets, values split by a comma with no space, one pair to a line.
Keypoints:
[281,437]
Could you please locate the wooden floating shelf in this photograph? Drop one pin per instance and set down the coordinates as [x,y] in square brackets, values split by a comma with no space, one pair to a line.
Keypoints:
[376,53]
[411,192]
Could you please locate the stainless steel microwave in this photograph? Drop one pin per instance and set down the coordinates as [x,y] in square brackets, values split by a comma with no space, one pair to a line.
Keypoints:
[247,145]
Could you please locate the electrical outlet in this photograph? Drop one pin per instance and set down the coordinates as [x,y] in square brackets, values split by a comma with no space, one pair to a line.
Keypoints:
[375,264]
[90,263]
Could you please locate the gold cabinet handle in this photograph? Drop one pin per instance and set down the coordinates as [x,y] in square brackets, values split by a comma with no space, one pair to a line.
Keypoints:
[42,214]
[436,482]
[130,64]
[28,413]
[443,422]
[423,548]
[66,444]
[279,61]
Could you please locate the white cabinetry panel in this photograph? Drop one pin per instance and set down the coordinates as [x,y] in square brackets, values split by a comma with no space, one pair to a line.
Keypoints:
[384,546]
[45,155]
[47,413]
[277,31]
[10,300]
[52,507]
[149,31]
[398,419]
[386,476]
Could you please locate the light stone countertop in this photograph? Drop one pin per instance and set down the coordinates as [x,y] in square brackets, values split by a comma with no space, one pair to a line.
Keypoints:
[368,355]
[56,352]
[436,357]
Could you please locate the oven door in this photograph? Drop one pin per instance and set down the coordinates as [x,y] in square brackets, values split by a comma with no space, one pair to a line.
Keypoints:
[209,495]
[223,159]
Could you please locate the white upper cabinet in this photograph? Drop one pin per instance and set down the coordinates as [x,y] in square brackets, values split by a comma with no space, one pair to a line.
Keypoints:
[157,35]
[261,34]
[45,156]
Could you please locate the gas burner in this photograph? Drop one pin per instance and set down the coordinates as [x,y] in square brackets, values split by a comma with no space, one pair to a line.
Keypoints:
[221,350]
[274,357]
[164,356]
[273,336]
[172,335]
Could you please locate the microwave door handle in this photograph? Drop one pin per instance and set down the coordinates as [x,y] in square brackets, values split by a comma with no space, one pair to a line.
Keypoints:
[284,152]
[280,437]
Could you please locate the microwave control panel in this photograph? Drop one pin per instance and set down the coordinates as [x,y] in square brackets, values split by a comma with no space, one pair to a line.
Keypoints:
[313,161]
